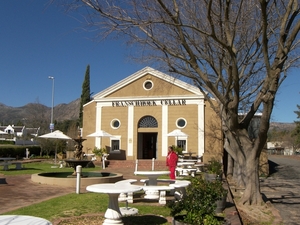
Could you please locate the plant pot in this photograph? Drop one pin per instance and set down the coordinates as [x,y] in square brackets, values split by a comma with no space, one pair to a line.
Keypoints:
[210,176]
[178,220]
[221,205]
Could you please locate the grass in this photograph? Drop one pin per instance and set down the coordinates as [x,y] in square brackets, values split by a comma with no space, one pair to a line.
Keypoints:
[79,204]
[71,205]
[40,167]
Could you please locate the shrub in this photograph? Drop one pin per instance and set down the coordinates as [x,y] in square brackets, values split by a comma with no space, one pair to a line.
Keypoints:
[214,167]
[199,204]
[18,151]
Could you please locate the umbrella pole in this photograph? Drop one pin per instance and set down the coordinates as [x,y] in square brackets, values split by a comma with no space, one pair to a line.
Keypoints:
[55,153]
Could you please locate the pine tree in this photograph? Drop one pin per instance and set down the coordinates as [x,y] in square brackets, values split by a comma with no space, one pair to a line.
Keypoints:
[296,132]
[85,94]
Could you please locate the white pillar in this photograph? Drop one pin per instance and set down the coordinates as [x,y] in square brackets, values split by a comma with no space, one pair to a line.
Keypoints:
[130,131]
[201,128]
[78,172]
[164,130]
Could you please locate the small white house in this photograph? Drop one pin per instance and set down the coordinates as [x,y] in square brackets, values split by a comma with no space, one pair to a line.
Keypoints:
[20,131]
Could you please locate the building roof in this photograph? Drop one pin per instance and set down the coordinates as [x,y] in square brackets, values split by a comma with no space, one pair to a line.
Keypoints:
[143,72]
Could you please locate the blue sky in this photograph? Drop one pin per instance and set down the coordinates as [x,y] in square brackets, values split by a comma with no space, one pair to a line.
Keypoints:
[38,41]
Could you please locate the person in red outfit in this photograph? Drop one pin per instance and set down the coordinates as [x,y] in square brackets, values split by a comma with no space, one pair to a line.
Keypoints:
[171,162]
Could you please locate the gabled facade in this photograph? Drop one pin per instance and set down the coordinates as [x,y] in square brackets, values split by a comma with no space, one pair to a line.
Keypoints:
[140,110]
[19,131]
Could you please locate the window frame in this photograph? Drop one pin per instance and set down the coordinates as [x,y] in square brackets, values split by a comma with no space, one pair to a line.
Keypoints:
[115,138]
[112,122]
[144,85]
[181,127]
[186,143]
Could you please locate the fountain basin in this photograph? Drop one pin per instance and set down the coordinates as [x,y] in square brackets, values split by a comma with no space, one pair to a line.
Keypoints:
[64,179]
[76,162]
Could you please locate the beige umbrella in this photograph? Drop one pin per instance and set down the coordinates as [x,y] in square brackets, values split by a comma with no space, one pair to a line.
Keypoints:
[55,135]
[100,133]
[177,133]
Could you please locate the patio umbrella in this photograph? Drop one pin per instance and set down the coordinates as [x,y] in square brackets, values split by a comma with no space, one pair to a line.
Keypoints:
[177,133]
[100,133]
[57,135]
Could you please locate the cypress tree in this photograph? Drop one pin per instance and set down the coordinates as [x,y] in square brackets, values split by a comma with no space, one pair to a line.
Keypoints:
[85,94]
[296,131]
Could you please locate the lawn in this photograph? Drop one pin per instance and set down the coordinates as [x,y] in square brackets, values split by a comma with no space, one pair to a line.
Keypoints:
[79,204]
[40,167]
[71,205]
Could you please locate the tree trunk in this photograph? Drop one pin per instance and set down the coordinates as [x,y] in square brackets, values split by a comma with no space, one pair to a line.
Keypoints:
[229,167]
[252,195]
[245,157]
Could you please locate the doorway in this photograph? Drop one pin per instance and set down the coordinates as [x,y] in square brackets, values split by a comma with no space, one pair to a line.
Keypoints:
[147,145]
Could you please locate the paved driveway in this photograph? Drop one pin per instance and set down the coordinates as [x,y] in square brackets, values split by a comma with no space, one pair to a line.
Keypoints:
[282,187]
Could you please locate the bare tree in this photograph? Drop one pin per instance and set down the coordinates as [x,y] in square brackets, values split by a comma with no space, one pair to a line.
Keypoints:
[237,51]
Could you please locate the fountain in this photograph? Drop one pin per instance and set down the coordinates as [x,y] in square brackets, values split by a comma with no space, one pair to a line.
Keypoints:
[78,154]
[67,180]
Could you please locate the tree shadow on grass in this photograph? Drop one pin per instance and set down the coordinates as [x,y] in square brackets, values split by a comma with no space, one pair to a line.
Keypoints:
[144,219]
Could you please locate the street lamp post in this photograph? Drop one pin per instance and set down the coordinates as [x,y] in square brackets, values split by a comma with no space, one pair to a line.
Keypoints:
[51,123]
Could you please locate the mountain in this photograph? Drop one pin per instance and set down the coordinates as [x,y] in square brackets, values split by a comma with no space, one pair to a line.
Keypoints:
[33,112]
[282,126]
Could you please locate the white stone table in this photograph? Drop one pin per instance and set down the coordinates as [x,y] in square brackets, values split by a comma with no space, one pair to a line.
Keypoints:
[113,214]
[152,175]
[186,168]
[6,162]
[23,220]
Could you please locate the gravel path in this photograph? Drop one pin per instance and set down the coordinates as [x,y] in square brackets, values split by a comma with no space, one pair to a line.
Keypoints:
[282,187]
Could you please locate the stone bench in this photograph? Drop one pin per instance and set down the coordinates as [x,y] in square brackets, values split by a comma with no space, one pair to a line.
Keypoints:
[146,181]
[18,165]
[126,196]
[186,171]
[151,192]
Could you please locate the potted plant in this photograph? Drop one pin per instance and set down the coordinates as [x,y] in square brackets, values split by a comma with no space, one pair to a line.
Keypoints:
[214,170]
[198,207]
[100,152]
[178,150]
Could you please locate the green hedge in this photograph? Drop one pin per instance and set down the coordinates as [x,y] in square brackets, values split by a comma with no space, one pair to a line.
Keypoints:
[18,151]
[5,142]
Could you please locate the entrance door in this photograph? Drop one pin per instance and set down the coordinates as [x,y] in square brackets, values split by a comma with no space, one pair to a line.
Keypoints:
[147,143]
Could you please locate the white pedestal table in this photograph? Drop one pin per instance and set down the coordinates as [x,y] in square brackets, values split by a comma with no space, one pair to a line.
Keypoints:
[23,220]
[152,176]
[113,214]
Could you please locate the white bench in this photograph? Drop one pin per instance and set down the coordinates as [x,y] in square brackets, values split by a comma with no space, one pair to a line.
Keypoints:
[146,181]
[151,192]
[5,165]
[186,171]
[126,196]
